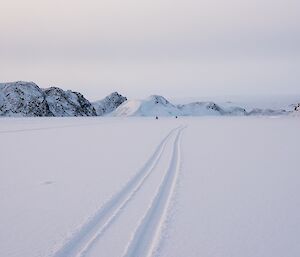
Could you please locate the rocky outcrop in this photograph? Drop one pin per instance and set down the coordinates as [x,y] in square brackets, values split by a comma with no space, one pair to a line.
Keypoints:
[23,99]
[108,104]
[68,103]
[26,99]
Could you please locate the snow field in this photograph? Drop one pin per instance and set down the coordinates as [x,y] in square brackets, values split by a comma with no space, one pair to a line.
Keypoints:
[213,186]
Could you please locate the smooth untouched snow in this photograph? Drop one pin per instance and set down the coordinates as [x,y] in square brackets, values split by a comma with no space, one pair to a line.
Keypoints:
[210,186]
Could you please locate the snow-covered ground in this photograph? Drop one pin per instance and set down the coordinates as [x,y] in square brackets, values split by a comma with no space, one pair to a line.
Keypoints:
[209,186]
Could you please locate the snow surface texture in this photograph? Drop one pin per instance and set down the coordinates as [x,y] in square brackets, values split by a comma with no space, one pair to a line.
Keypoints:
[92,187]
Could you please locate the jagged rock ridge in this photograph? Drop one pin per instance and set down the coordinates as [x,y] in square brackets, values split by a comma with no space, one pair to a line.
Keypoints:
[68,103]
[109,103]
[26,99]
[23,99]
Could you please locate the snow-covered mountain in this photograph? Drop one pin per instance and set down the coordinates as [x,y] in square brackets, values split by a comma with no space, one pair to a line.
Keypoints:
[159,106]
[296,110]
[23,99]
[267,112]
[109,103]
[67,103]
[200,109]
[27,99]
[152,106]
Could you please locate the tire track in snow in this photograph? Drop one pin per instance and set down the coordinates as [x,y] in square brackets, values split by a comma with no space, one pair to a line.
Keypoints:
[50,128]
[81,241]
[147,236]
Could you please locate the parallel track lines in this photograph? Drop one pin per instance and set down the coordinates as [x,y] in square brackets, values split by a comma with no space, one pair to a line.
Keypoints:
[147,236]
[82,241]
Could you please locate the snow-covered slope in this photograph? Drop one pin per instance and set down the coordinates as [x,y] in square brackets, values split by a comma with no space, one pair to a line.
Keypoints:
[159,106]
[200,109]
[68,103]
[109,103]
[267,112]
[249,102]
[152,106]
[22,99]
[235,111]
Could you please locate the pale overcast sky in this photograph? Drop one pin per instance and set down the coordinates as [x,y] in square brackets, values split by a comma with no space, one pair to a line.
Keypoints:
[170,47]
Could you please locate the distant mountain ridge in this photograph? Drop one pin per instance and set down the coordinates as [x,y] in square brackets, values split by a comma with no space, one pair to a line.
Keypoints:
[26,99]
[159,106]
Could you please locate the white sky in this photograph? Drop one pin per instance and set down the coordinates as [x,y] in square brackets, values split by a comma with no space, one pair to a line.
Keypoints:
[170,47]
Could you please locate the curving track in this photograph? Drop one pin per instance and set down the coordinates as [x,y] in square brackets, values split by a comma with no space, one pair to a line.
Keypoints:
[147,233]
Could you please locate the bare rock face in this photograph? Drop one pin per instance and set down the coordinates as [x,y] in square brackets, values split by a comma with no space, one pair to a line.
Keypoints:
[68,103]
[109,103]
[23,99]
[26,99]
